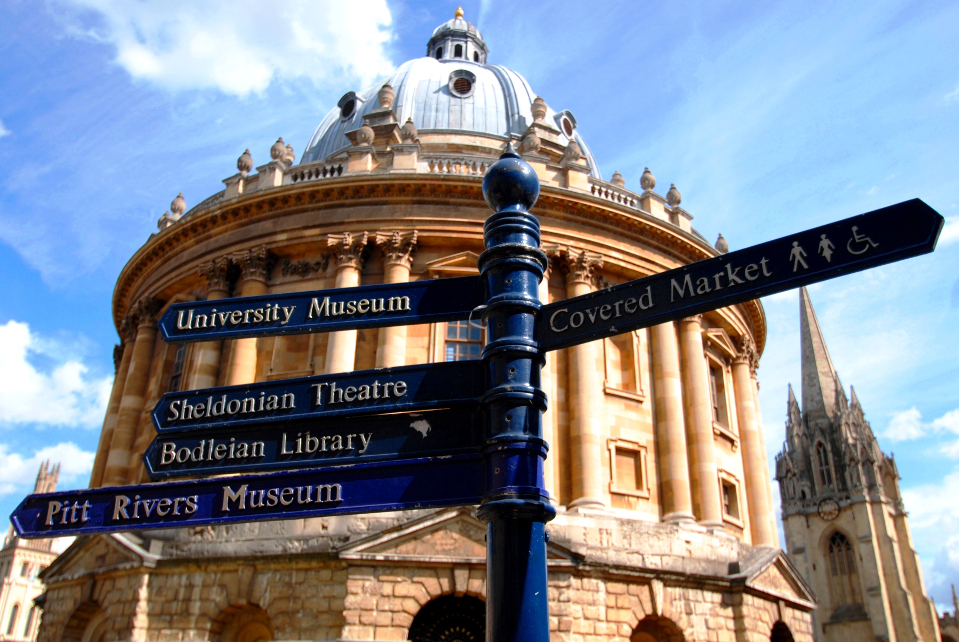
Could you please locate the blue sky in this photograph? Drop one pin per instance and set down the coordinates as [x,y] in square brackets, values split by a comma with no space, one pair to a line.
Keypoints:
[769,118]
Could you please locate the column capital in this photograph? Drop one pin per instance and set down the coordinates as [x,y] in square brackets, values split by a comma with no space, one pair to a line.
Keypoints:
[117,356]
[694,318]
[256,263]
[145,312]
[128,329]
[748,354]
[216,273]
[578,265]
[347,248]
[397,246]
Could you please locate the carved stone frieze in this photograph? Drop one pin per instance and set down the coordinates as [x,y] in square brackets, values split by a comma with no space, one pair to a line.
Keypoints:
[255,264]
[348,248]
[305,268]
[216,273]
[397,246]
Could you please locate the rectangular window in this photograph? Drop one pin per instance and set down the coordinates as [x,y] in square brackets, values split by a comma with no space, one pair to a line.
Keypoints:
[178,362]
[463,341]
[717,394]
[729,494]
[627,468]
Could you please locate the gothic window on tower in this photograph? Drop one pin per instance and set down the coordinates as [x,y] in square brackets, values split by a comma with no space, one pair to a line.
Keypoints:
[178,362]
[729,494]
[13,619]
[463,341]
[843,578]
[622,366]
[627,468]
[824,466]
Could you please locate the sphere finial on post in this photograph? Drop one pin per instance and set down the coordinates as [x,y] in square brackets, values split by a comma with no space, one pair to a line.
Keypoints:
[510,183]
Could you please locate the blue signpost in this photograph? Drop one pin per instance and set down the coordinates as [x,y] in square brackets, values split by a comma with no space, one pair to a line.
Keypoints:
[439,434]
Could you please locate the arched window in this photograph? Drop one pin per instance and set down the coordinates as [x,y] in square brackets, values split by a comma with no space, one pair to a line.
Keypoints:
[450,618]
[458,51]
[780,633]
[14,612]
[843,579]
[825,470]
[439,53]
[28,627]
[475,56]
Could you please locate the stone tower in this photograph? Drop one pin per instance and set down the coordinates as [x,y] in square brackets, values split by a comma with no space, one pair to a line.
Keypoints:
[21,560]
[845,523]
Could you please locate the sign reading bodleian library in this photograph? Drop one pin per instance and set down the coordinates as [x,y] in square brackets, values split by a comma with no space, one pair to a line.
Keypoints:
[408,437]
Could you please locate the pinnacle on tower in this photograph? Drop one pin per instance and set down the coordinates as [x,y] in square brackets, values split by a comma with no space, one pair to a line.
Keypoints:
[820,383]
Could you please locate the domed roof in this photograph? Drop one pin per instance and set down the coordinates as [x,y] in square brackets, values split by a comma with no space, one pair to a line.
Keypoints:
[456,24]
[450,94]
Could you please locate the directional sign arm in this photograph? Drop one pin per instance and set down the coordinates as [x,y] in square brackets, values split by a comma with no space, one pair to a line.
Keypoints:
[884,236]
[363,488]
[366,306]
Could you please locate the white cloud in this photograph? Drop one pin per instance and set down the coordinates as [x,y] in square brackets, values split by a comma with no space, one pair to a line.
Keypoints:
[905,425]
[950,231]
[934,520]
[17,473]
[908,425]
[3,130]
[953,95]
[239,47]
[58,393]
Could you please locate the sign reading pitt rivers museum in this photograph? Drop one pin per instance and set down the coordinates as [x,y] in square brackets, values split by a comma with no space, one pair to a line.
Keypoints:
[409,437]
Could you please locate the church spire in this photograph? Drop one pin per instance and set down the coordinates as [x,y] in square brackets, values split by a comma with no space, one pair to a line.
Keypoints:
[820,383]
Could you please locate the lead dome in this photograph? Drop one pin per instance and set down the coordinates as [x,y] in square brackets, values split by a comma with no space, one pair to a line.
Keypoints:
[450,91]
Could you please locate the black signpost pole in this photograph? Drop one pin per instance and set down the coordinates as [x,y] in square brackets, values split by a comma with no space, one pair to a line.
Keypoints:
[516,505]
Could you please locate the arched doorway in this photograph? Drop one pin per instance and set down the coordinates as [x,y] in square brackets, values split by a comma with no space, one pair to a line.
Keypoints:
[780,633]
[85,624]
[653,628]
[243,624]
[450,619]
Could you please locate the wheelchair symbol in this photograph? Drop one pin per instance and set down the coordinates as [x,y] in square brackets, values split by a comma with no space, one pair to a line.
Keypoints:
[857,238]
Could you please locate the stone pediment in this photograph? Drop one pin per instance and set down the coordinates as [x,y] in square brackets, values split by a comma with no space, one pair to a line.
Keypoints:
[722,341]
[459,264]
[447,536]
[773,574]
[98,553]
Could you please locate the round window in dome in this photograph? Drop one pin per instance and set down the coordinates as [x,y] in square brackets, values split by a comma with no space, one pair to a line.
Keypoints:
[347,104]
[567,127]
[461,83]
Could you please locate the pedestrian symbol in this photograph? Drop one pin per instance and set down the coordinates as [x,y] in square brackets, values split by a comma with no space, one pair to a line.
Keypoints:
[825,248]
[796,256]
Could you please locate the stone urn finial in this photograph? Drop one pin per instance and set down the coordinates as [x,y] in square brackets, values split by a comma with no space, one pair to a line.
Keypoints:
[278,149]
[364,135]
[539,109]
[647,181]
[408,132]
[618,180]
[673,197]
[386,96]
[721,245]
[288,156]
[244,163]
[573,152]
[178,206]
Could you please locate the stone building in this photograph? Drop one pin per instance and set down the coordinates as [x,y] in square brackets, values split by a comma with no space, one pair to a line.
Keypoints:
[845,523]
[949,624]
[21,561]
[657,463]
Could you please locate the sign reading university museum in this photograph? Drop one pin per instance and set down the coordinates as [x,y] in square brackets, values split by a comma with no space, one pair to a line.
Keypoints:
[366,306]
[457,480]
[868,240]
[312,443]
[384,390]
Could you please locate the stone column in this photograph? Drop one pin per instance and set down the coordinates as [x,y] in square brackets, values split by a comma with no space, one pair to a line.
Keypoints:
[131,404]
[207,362]
[255,265]
[677,503]
[754,469]
[548,384]
[398,248]
[586,395]
[771,501]
[347,253]
[700,422]
[125,353]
